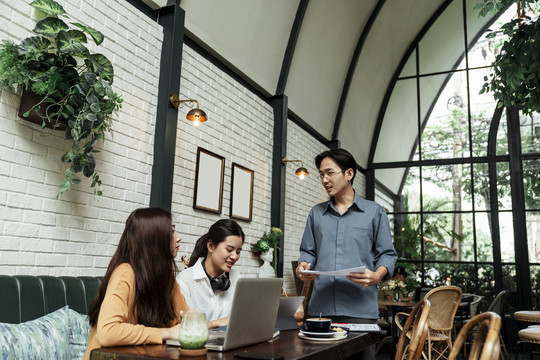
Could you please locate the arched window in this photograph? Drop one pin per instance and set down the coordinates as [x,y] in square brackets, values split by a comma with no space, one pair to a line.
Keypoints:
[444,159]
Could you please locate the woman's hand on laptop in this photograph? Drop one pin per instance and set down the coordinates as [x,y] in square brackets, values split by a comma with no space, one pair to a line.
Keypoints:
[218,323]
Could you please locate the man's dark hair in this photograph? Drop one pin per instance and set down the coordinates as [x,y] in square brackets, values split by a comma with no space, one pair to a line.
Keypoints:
[341,156]
[400,270]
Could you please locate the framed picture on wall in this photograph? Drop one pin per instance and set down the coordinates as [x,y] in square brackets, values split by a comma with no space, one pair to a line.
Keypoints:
[209,181]
[241,193]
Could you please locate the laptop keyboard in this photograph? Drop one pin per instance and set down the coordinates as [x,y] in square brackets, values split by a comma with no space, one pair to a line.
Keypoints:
[218,341]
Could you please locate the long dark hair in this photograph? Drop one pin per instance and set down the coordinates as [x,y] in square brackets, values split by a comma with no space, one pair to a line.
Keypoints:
[145,245]
[216,234]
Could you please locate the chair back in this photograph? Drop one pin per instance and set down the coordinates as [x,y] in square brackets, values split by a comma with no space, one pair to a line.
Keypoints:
[444,304]
[486,343]
[496,305]
[417,319]
[307,289]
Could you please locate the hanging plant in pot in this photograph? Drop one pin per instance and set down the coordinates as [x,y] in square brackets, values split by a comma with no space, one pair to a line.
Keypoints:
[71,87]
[515,80]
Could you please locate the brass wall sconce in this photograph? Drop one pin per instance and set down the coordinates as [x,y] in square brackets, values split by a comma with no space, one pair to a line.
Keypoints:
[196,115]
[301,172]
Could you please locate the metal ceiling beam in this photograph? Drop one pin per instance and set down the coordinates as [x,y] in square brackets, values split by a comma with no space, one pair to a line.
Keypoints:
[172,18]
[291,46]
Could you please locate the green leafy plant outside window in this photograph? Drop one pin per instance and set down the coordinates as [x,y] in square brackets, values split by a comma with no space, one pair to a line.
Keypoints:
[515,80]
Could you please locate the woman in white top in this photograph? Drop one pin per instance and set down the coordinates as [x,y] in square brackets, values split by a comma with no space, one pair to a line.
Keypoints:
[208,283]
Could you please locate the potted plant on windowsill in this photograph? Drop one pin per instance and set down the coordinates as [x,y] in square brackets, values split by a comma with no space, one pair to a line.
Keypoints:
[71,86]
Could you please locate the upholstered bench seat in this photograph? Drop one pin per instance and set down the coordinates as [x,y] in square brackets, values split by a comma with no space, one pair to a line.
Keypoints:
[44,317]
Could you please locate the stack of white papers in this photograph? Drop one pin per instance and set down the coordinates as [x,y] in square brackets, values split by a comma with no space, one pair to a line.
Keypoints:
[359,327]
[344,272]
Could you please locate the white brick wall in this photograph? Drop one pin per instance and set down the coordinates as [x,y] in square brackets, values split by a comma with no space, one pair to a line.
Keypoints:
[239,128]
[77,235]
[300,196]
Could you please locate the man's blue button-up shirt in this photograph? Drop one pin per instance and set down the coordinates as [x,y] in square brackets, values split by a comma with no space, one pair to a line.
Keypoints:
[333,241]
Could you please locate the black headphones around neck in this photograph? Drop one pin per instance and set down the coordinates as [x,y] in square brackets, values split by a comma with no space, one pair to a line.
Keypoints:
[222,282]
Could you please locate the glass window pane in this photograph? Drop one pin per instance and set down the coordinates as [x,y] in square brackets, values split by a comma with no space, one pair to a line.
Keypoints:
[482,109]
[503,186]
[484,243]
[461,275]
[535,282]
[408,178]
[510,285]
[533,235]
[407,236]
[486,284]
[446,130]
[396,178]
[485,50]
[502,136]
[444,234]
[445,187]
[531,183]
[530,133]
[414,275]
[410,66]
[443,45]
[507,237]
[474,26]
[401,113]
[463,229]
[481,186]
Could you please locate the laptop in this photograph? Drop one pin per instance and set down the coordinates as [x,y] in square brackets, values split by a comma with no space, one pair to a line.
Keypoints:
[253,315]
[287,307]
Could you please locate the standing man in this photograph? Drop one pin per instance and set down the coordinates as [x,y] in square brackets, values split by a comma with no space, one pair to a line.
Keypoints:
[345,232]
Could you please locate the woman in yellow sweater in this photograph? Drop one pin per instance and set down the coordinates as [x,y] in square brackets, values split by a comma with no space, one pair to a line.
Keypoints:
[139,301]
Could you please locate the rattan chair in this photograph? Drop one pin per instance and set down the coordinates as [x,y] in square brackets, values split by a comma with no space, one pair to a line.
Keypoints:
[444,304]
[414,331]
[486,344]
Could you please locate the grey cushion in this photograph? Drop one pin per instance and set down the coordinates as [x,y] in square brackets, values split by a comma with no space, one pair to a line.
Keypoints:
[44,338]
[79,330]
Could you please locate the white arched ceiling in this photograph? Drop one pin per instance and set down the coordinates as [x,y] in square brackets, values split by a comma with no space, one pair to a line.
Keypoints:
[395,29]
[251,37]
[321,59]
[439,50]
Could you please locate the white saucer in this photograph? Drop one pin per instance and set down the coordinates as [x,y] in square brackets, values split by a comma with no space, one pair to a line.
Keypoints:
[335,337]
[318,334]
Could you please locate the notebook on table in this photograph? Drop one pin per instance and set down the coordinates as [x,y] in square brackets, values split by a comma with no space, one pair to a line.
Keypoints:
[253,315]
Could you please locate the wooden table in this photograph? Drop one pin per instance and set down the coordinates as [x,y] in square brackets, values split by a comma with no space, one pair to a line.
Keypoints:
[395,305]
[392,303]
[287,344]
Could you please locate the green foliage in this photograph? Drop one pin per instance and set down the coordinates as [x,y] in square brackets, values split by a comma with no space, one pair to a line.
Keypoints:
[516,70]
[74,84]
[412,228]
[266,242]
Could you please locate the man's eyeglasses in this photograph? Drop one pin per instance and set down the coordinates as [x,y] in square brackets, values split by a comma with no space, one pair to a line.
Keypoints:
[329,174]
